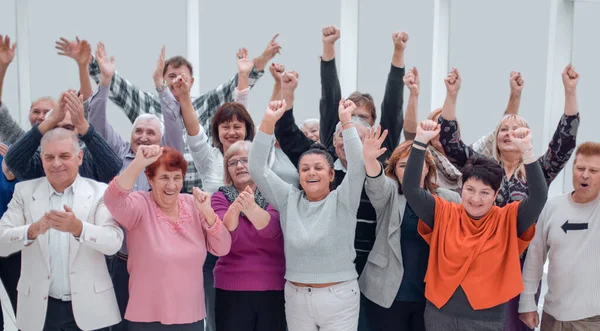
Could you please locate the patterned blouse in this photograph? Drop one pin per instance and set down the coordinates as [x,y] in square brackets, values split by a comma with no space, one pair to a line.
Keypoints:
[512,189]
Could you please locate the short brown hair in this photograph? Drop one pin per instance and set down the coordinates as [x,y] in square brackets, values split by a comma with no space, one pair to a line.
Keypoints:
[171,159]
[402,151]
[176,62]
[588,148]
[227,113]
[364,100]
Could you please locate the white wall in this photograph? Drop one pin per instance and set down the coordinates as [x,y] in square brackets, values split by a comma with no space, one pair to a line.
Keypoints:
[485,40]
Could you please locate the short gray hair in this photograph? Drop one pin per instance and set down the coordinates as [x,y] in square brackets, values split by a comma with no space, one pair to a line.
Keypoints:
[311,121]
[235,148]
[45,98]
[60,133]
[148,118]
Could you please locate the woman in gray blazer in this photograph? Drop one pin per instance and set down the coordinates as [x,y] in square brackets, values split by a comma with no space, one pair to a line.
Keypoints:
[393,279]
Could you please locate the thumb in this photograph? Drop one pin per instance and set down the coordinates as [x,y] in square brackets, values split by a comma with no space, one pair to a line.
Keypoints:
[249,190]
[67,209]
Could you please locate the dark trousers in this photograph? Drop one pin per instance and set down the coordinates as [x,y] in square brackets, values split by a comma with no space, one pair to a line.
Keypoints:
[59,316]
[142,326]
[437,321]
[401,316]
[117,268]
[512,322]
[250,310]
[10,271]
[209,291]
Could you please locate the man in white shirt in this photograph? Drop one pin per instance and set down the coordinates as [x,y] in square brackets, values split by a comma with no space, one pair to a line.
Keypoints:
[567,234]
[63,229]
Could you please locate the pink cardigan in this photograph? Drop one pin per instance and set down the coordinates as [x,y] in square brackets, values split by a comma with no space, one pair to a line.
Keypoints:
[165,259]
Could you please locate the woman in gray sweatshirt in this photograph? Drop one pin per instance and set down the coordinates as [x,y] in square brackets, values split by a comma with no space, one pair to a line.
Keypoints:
[318,226]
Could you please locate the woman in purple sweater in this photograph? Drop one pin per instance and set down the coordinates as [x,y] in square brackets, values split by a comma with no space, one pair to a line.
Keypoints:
[249,280]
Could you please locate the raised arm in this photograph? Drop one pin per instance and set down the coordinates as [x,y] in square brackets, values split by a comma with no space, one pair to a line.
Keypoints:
[412,81]
[273,188]
[516,87]
[97,114]
[218,239]
[331,91]
[392,117]
[291,139]
[378,186]
[530,207]
[81,52]
[421,201]
[10,130]
[277,70]
[7,54]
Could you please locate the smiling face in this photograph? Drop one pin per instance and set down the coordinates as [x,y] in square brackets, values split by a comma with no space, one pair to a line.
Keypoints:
[316,176]
[586,178]
[166,186]
[145,132]
[477,197]
[39,109]
[237,166]
[231,132]
[311,131]
[61,161]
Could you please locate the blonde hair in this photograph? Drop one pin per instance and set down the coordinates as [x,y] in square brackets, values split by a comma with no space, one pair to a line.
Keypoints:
[496,154]
[235,148]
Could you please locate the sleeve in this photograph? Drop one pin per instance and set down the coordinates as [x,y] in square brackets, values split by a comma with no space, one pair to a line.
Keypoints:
[531,207]
[218,239]
[220,205]
[421,201]
[485,145]
[350,190]
[202,154]
[128,97]
[13,227]
[207,104]
[392,116]
[173,121]
[273,229]
[242,97]
[292,141]
[102,234]
[380,190]
[126,207]
[10,130]
[331,94]
[23,158]
[561,147]
[97,118]
[273,188]
[456,151]
[533,269]
[100,162]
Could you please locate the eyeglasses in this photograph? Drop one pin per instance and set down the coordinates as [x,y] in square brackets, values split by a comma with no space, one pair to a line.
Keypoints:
[234,162]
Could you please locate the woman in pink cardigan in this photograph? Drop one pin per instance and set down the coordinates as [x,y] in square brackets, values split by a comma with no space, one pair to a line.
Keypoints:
[168,235]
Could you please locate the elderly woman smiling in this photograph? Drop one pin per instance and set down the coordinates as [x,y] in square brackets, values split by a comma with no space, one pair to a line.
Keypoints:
[168,235]
[249,280]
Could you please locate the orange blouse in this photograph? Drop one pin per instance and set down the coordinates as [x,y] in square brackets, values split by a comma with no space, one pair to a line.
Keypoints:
[481,255]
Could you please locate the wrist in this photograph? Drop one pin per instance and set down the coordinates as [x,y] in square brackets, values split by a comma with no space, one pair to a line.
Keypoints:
[421,140]
[260,62]
[78,229]
[83,128]
[31,232]
[105,80]
[209,216]
[569,92]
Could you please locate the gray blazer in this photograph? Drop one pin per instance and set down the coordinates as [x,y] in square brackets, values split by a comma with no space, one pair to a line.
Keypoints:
[381,278]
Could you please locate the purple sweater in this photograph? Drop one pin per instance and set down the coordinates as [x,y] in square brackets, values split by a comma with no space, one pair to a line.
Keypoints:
[256,261]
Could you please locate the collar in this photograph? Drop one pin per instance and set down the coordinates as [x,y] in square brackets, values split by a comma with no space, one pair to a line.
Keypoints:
[71,187]
[339,166]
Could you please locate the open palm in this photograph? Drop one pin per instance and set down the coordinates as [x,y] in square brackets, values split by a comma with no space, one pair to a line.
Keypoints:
[107,65]
[372,144]
[7,52]
[79,50]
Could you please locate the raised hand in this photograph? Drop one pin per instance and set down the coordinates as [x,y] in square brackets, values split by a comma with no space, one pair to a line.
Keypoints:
[570,78]
[277,71]
[411,80]
[275,110]
[78,50]
[400,39]
[516,82]
[331,34]
[289,82]
[107,66]
[157,76]
[452,82]
[56,115]
[148,154]
[181,87]
[521,138]
[372,144]
[244,65]
[531,319]
[268,54]
[7,51]
[427,130]
[202,202]
[345,110]
[74,105]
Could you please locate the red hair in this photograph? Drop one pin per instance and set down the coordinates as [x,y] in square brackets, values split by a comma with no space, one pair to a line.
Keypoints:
[171,159]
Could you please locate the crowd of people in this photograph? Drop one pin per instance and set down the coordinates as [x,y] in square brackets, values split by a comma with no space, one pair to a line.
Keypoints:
[203,220]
